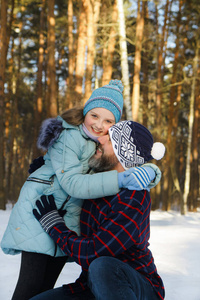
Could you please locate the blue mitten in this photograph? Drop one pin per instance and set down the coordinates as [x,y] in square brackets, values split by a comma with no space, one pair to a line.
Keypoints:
[36,164]
[137,178]
[158,174]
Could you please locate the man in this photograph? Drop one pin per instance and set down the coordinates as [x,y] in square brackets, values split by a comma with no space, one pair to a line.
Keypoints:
[113,246]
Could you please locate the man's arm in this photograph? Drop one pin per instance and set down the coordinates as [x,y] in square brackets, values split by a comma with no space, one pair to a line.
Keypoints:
[118,232]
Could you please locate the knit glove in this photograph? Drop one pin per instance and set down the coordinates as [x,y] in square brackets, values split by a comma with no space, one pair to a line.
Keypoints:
[48,215]
[137,178]
[157,172]
[36,164]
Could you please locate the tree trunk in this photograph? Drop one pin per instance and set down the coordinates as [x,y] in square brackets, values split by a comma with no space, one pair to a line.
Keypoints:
[11,183]
[171,137]
[10,122]
[124,59]
[92,8]
[145,68]
[160,68]
[137,61]
[40,64]
[39,100]
[190,129]
[80,58]
[71,62]
[194,174]
[52,108]
[3,54]
[108,49]
[8,107]
[8,34]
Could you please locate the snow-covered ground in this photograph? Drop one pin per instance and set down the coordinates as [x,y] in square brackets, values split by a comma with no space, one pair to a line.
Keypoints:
[175,243]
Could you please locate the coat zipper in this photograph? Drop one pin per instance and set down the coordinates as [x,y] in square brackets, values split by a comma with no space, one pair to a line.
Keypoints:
[34,179]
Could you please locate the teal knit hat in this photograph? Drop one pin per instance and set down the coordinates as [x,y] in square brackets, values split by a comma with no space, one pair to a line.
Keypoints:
[108,96]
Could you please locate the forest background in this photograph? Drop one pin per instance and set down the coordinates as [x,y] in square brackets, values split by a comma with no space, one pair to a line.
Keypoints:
[53,53]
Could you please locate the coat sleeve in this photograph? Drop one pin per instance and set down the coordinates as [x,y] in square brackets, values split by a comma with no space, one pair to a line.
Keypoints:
[69,167]
[119,231]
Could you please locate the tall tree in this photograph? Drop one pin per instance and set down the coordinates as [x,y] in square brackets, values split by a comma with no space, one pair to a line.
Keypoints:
[190,128]
[160,63]
[80,56]
[39,91]
[124,58]
[92,8]
[145,67]
[71,62]
[109,46]
[194,174]
[137,61]
[172,117]
[51,102]
[3,54]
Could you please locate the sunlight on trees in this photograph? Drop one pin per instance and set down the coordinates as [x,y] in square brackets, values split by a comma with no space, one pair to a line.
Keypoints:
[53,54]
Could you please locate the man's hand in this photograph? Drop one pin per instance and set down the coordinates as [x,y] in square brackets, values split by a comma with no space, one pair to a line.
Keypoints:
[48,215]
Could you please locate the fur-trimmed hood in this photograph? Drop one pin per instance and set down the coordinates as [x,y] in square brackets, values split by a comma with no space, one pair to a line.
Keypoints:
[49,132]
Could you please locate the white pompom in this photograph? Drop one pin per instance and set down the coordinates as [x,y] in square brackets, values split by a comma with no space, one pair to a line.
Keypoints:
[158,150]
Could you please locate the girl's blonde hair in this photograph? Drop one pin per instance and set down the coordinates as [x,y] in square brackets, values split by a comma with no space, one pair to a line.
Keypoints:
[73,116]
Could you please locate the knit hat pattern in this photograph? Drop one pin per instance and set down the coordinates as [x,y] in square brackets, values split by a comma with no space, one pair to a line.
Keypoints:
[133,144]
[109,97]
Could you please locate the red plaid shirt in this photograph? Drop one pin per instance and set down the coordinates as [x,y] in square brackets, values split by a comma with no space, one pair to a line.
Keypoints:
[116,226]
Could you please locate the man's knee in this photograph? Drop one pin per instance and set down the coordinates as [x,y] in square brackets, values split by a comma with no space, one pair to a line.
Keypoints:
[102,271]
[105,277]
[99,275]
[100,266]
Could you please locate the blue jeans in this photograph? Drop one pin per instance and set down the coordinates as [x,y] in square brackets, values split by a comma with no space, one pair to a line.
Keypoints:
[109,279]
[112,279]
[60,294]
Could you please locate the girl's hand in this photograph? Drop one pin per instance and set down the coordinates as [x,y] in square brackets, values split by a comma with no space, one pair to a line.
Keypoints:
[139,178]
[47,213]
[36,164]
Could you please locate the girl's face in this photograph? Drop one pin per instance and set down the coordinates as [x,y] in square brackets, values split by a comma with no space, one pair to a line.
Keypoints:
[98,121]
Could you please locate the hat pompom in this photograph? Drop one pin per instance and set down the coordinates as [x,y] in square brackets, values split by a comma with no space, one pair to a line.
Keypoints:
[118,83]
[158,150]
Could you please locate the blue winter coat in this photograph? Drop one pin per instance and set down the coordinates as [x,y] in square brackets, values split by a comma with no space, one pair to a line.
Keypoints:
[63,174]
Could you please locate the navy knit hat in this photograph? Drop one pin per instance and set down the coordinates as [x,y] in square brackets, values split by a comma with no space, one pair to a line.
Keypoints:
[108,96]
[133,144]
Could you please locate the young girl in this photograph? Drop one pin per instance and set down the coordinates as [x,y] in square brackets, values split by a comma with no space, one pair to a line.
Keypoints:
[69,146]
